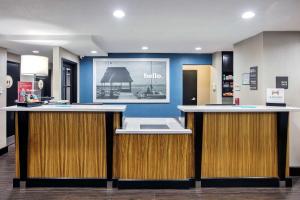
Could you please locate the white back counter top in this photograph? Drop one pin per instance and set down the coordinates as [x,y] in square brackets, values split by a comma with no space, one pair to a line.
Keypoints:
[68,108]
[152,126]
[233,108]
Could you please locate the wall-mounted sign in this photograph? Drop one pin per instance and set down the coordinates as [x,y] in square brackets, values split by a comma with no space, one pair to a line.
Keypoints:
[246,79]
[282,82]
[131,80]
[9,81]
[253,78]
[275,95]
[41,84]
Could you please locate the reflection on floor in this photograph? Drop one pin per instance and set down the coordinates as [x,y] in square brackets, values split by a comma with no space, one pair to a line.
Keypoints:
[7,192]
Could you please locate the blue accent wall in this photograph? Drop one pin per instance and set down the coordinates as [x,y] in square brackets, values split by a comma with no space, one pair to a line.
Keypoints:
[146,110]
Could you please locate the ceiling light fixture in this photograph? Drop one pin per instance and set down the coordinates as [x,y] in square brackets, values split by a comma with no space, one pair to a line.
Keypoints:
[145,48]
[36,51]
[119,14]
[94,52]
[248,15]
[198,48]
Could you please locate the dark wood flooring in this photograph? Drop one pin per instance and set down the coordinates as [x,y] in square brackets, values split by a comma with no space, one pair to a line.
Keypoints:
[8,192]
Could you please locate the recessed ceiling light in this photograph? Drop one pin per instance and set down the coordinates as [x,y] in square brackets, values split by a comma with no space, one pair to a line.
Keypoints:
[119,14]
[94,52]
[35,51]
[198,48]
[248,15]
[145,48]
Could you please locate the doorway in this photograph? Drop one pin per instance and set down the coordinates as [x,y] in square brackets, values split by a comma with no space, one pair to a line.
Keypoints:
[197,86]
[69,81]
[13,76]
[189,87]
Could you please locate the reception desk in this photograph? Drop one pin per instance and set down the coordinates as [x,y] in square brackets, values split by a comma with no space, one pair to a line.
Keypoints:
[239,145]
[153,153]
[89,145]
[65,145]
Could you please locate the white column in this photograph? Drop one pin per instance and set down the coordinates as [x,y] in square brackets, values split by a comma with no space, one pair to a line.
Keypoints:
[3,67]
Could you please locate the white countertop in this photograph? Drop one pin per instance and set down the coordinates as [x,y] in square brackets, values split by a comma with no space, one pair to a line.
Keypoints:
[133,126]
[241,108]
[69,108]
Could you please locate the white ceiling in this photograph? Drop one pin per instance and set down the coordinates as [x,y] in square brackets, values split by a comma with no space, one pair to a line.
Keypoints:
[176,26]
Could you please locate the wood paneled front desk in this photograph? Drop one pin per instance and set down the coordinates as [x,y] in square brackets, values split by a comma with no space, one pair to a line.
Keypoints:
[65,145]
[87,145]
[153,153]
[239,145]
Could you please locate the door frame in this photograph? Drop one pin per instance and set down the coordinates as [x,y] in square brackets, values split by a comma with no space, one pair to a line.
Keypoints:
[212,78]
[6,102]
[75,90]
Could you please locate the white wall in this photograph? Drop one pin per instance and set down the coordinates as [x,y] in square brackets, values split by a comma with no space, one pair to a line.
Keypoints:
[58,54]
[248,53]
[216,76]
[282,58]
[276,54]
[3,63]
[13,57]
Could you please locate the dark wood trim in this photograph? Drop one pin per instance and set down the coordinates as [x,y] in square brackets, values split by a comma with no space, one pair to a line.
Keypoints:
[240,182]
[288,182]
[109,126]
[37,182]
[3,150]
[294,171]
[114,183]
[121,121]
[16,182]
[74,78]
[198,128]
[185,115]
[282,134]
[155,184]
[23,124]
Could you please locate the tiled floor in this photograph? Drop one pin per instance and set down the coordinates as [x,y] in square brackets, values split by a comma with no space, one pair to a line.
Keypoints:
[7,192]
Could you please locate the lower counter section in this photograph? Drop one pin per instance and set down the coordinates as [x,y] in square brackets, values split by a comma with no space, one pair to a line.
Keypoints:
[153,157]
[239,145]
[72,148]
[69,145]
[238,149]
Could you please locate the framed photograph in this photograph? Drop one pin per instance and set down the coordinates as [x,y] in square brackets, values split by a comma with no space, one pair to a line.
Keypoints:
[246,78]
[131,80]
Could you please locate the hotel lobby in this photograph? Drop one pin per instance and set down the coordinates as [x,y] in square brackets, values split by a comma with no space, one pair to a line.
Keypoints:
[136,99]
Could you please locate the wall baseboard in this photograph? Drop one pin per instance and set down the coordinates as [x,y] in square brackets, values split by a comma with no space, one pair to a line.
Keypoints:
[3,150]
[294,171]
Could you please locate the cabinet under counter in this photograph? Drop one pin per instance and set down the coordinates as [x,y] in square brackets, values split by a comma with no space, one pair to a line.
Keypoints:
[240,146]
[59,146]
[153,153]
